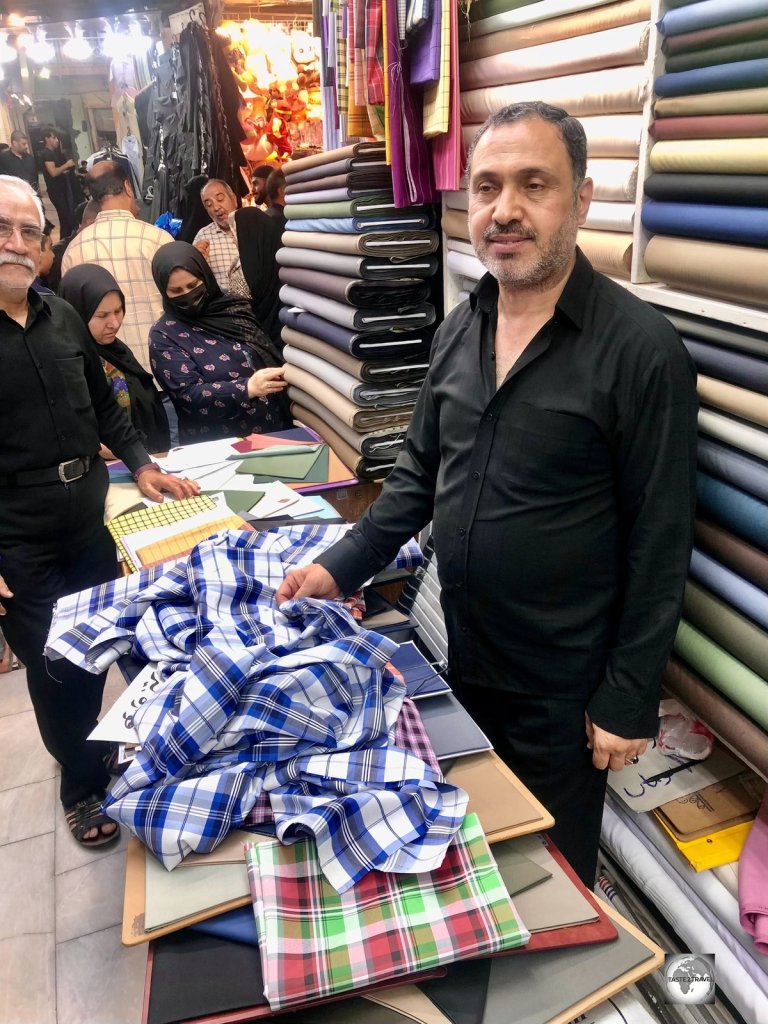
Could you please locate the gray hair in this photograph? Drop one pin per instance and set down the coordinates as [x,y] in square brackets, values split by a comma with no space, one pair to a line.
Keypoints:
[571,132]
[221,183]
[9,181]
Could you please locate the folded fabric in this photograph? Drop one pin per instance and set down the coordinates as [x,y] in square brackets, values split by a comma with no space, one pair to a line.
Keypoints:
[733,101]
[361,344]
[739,593]
[368,396]
[725,189]
[401,371]
[407,315]
[732,53]
[735,632]
[737,554]
[718,333]
[377,165]
[750,475]
[741,435]
[714,126]
[608,135]
[744,74]
[353,415]
[457,200]
[616,47]
[753,890]
[734,272]
[604,216]
[612,91]
[354,292]
[614,180]
[373,203]
[360,151]
[334,195]
[455,224]
[610,252]
[695,16]
[394,245]
[740,224]
[748,405]
[526,15]
[384,443]
[316,943]
[711,156]
[362,179]
[744,515]
[716,35]
[417,218]
[367,268]
[467,266]
[360,466]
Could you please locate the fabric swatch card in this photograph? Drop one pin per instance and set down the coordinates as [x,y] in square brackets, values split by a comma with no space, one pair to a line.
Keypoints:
[421,679]
[176,895]
[409,1002]
[718,806]
[117,725]
[500,800]
[452,730]
[518,871]
[280,466]
[555,902]
[239,501]
[659,777]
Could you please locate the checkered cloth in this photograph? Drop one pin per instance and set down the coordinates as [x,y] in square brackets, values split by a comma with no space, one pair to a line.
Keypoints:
[374,51]
[296,702]
[125,246]
[222,254]
[315,942]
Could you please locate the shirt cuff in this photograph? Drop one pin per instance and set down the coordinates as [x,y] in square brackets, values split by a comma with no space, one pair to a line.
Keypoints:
[143,469]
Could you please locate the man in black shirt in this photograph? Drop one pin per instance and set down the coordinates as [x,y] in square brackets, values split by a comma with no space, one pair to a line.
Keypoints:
[56,407]
[553,447]
[59,180]
[19,162]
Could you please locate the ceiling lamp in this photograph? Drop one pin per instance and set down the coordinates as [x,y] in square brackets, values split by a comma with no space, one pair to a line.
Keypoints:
[77,46]
[7,53]
[41,51]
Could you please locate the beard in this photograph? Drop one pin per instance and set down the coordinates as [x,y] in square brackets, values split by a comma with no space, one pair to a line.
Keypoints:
[545,265]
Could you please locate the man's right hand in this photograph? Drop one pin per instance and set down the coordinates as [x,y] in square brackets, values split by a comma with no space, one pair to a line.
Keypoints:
[311,581]
[5,592]
[203,247]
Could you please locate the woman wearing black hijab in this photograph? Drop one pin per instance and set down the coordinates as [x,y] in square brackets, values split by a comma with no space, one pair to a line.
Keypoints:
[96,296]
[224,375]
[255,275]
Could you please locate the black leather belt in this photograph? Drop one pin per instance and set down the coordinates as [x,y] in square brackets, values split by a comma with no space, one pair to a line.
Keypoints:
[65,473]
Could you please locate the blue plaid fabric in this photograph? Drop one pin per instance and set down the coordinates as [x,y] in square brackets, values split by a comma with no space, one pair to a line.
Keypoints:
[296,703]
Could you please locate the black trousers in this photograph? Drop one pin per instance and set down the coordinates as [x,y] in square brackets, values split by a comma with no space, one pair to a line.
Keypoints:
[544,743]
[53,542]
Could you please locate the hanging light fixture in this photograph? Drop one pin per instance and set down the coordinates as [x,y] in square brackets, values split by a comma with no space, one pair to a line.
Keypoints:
[77,46]
[41,51]
[7,52]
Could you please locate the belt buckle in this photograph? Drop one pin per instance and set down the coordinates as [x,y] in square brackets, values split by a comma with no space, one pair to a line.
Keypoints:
[64,466]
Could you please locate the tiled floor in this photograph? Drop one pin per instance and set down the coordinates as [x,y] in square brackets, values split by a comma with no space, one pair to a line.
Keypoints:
[61,960]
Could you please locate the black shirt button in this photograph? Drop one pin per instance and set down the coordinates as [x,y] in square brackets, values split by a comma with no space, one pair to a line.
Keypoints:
[464,629]
[475,475]
[53,401]
[462,532]
[488,417]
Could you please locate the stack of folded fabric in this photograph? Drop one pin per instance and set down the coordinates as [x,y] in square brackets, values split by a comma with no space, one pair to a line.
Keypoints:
[707,198]
[517,52]
[358,311]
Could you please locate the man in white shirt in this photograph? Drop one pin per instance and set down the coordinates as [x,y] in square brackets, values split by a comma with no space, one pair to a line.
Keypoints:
[124,246]
[216,241]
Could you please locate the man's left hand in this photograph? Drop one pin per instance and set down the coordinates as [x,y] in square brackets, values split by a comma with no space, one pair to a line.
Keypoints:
[153,484]
[609,751]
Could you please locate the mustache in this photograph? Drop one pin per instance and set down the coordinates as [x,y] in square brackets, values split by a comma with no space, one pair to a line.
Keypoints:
[512,230]
[22,261]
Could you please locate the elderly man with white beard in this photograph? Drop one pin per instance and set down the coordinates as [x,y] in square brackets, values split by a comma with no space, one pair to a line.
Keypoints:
[56,406]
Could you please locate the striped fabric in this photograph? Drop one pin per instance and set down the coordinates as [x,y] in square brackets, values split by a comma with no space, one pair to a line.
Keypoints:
[373,51]
[315,942]
[437,98]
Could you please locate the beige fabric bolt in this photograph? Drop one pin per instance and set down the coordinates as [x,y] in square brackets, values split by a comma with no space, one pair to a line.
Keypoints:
[711,156]
[748,405]
[738,273]
[735,101]
[608,135]
[610,252]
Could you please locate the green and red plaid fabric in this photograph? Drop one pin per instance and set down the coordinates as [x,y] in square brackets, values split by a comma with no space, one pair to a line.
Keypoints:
[316,942]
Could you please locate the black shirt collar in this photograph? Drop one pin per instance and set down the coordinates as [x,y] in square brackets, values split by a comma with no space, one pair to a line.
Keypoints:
[573,297]
[38,305]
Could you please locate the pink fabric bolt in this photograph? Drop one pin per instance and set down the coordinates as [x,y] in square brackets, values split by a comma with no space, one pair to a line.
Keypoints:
[753,881]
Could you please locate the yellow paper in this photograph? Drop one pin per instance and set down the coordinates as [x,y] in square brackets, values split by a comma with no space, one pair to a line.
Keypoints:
[714,850]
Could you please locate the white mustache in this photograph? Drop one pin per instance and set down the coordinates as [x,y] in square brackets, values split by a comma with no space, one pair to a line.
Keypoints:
[22,261]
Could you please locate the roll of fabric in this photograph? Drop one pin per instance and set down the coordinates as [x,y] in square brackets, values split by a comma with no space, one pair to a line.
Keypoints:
[567,26]
[457,200]
[743,558]
[458,245]
[455,224]
[740,435]
[734,272]
[336,195]
[744,74]
[717,35]
[421,315]
[361,344]
[394,245]
[753,906]
[362,151]
[610,252]
[739,593]
[610,216]
[740,224]
[410,371]
[389,295]
[367,396]
[711,156]
[359,419]
[366,268]
[733,631]
[752,49]
[734,101]
[482,9]
[613,91]
[375,166]
[731,677]
[716,126]
[615,181]
[740,513]
[720,189]
[733,367]
[616,47]
[469,267]
[708,13]
[716,333]
[376,444]
[748,405]
[727,721]
[372,204]
[608,135]
[527,15]
[750,475]
[373,179]
[361,467]
[411,220]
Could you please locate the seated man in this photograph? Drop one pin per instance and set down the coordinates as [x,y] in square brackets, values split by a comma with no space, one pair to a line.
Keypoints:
[216,241]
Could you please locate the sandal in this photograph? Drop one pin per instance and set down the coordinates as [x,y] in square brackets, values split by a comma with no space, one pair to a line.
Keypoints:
[86,815]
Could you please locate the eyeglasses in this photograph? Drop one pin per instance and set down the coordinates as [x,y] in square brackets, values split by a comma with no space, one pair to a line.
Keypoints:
[29,234]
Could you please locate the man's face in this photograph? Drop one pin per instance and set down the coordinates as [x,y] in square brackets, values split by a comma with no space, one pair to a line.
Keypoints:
[20,251]
[20,146]
[52,141]
[257,189]
[523,214]
[219,202]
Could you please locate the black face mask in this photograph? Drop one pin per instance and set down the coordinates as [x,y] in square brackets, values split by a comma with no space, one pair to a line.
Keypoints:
[193,300]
